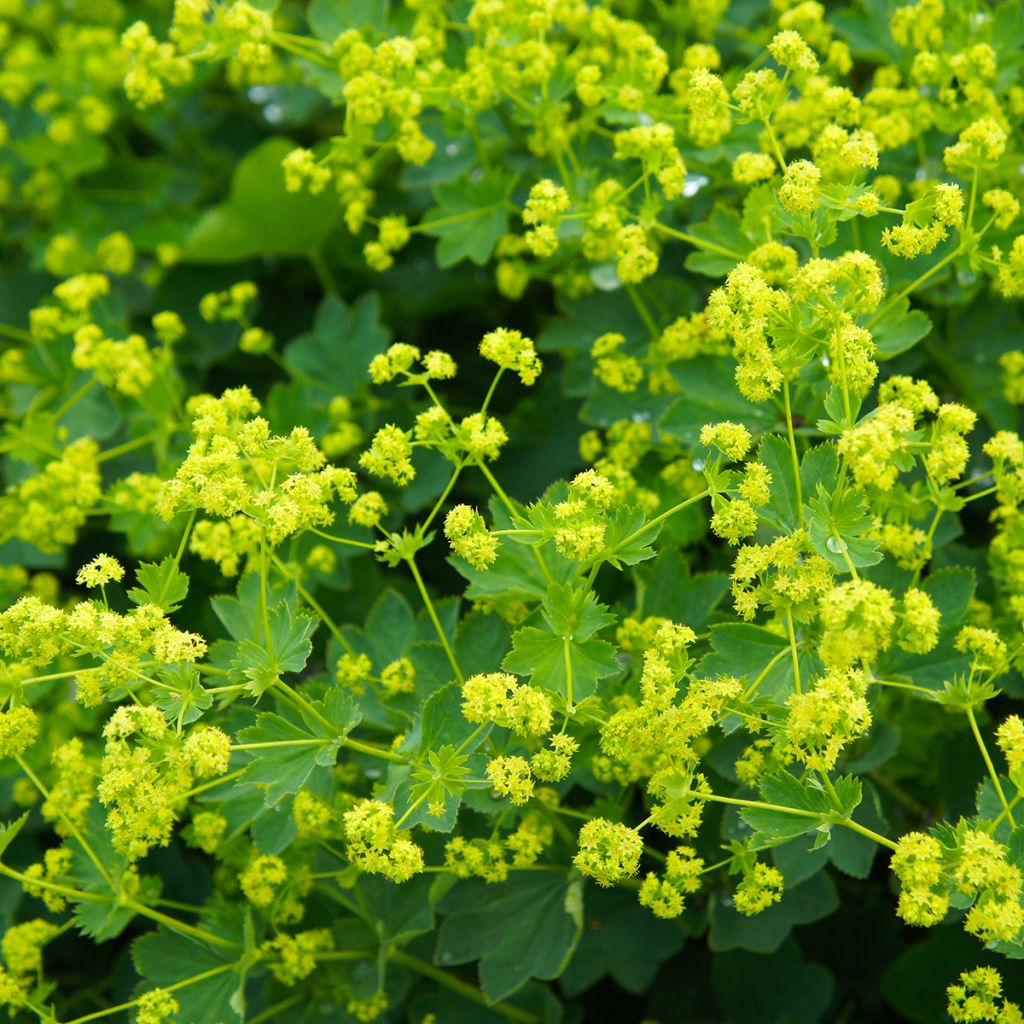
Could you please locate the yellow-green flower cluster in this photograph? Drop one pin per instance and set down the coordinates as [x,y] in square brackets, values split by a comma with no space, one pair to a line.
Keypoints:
[609,851]
[499,698]
[375,844]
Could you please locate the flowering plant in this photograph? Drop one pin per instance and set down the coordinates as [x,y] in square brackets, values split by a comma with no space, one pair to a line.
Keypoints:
[499,491]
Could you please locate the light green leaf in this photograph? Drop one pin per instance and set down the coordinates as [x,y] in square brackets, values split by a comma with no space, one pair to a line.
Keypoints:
[329,18]
[899,329]
[782,510]
[709,395]
[566,656]
[262,664]
[746,651]
[164,958]
[310,745]
[335,354]
[261,217]
[164,585]
[838,525]
[469,218]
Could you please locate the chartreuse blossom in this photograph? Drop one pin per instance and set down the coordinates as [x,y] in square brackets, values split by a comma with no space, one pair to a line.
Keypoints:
[978,996]
[593,696]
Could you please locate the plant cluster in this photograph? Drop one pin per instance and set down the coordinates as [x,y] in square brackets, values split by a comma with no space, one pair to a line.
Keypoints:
[523,483]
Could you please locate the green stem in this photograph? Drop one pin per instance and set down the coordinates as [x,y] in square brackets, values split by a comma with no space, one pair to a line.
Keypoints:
[72,828]
[444,496]
[79,394]
[75,895]
[342,540]
[100,1014]
[472,736]
[792,647]
[793,453]
[128,446]
[796,812]
[514,513]
[435,620]
[299,701]
[279,743]
[567,650]
[323,271]
[317,608]
[490,390]
[698,243]
[462,988]
[752,689]
[903,686]
[1006,813]
[914,285]
[271,1012]
[644,313]
[180,926]
[373,751]
[993,774]
[657,520]
[412,808]
[212,784]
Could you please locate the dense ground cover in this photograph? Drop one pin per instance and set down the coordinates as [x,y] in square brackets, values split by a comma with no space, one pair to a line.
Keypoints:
[512,511]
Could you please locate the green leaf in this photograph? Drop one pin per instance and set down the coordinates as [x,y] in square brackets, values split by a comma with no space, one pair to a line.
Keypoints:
[469,218]
[838,525]
[310,745]
[521,929]
[851,852]
[673,593]
[401,911]
[782,510]
[909,982]
[745,651]
[788,989]
[900,328]
[622,940]
[164,958]
[819,466]
[765,932]
[480,641]
[709,391]
[442,721]
[727,243]
[565,657]
[103,920]
[551,661]
[625,539]
[335,354]
[329,18]
[188,700]
[582,320]
[390,627]
[951,590]
[516,572]
[163,584]
[262,664]
[440,728]
[10,830]
[574,613]
[785,790]
[840,200]
[261,217]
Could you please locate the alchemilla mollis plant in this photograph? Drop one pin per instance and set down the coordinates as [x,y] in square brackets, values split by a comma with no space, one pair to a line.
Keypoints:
[512,511]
